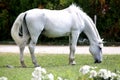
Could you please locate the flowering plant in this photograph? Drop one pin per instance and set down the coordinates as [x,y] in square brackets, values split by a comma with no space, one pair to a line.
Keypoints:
[41,74]
[3,78]
[86,73]
[89,73]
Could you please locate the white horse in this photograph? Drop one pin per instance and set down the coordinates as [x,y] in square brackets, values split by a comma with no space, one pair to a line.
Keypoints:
[56,23]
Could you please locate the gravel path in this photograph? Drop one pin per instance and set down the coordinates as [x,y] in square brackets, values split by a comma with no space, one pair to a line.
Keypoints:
[57,49]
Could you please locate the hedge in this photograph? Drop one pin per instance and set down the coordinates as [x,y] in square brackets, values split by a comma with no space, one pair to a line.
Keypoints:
[107,11]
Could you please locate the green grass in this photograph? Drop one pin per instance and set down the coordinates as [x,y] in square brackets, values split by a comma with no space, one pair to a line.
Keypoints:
[53,63]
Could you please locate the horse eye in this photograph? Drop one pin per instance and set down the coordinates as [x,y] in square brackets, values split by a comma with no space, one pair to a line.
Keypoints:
[99,47]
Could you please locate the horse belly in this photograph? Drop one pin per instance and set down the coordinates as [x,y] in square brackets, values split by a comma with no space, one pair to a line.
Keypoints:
[56,33]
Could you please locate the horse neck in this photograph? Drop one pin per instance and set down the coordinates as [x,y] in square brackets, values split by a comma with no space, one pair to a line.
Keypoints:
[91,31]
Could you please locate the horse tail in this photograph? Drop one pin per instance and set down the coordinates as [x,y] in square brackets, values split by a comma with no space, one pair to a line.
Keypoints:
[19,31]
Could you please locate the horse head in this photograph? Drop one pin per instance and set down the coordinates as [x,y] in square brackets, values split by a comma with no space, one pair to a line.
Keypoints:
[96,51]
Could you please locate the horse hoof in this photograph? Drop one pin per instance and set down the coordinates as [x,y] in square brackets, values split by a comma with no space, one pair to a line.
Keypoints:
[72,63]
[37,65]
[24,66]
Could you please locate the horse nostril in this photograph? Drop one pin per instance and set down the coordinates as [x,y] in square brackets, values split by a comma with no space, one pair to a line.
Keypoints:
[97,61]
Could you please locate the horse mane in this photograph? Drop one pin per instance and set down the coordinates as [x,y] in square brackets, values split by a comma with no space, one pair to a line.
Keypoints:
[73,8]
[75,11]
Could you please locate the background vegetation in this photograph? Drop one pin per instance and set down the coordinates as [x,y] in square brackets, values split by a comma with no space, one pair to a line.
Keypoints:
[107,11]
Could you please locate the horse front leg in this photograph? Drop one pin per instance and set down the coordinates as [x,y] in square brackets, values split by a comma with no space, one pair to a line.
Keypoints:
[32,48]
[73,42]
[22,56]
[71,55]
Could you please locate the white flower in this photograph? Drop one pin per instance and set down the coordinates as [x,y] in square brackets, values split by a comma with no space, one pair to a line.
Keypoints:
[85,69]
[3,78]
[118,78]
[50,76]
[59,78]
[109,73]
[104,73]
[113,75]
[93,73]
[118,72]
[36,78]
[43,71]
[38,73]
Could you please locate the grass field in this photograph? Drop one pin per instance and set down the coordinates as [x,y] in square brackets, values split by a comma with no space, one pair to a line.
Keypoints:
[57,64]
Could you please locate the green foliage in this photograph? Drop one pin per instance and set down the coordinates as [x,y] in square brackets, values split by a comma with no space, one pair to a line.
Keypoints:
[108,22]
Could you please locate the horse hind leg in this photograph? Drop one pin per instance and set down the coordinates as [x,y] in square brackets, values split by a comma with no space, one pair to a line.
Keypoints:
[22,47]
[35,30]
[32,44]
[32,48]
[22,56]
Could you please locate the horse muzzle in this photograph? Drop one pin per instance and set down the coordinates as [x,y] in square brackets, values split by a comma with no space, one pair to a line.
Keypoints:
[97,61]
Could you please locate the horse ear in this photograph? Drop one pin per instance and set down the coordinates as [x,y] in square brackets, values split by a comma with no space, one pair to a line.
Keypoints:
[103,40]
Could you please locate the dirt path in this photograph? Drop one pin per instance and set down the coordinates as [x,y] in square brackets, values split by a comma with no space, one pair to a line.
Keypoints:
[57,49]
